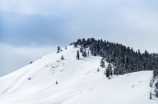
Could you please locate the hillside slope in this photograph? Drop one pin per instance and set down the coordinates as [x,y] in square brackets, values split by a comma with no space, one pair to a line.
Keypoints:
[78,83]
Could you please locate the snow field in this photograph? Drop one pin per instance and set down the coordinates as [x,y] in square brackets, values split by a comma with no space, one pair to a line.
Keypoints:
[78,83]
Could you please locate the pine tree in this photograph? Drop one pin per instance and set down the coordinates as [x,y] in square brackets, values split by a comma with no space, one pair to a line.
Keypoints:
[58,49]
[102,63]
[75,45]
[156,85]
[156,94]
[109,70]
[84,54]
[150,96]
[110,67]
[98,70]
[62,57]
[94,53]
[81,49]
[77,56]
[107,73]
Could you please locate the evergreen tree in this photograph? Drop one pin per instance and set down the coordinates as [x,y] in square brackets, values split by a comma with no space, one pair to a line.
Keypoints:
[107,73]
[75,45]
[94,53]
[58,49]
[98,70]
[150,95]
[62,57]
[84,54]
[156,94]
[102,63]
[110,69]
[56,82]
[81,49]
[78,56]
[83,41]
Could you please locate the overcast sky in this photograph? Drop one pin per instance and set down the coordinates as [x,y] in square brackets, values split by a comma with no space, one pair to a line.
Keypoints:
[30,29]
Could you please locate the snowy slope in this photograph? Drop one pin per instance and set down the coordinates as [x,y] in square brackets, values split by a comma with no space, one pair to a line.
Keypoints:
[78,83]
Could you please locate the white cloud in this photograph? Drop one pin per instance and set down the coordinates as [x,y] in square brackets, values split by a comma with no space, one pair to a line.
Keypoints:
[57,7]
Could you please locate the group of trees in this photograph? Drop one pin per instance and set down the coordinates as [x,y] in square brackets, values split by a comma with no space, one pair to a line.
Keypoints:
[123,59]
[58,50]
[154,84]
[83,51]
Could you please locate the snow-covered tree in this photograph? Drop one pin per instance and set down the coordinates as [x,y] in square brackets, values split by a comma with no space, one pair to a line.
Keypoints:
[84,53]
[124,59]
[102,63]
[81,49]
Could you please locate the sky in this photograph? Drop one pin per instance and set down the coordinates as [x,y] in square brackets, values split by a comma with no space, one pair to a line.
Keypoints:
[30,29]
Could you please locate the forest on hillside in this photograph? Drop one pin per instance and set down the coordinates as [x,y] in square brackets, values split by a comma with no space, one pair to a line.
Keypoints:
[121,59]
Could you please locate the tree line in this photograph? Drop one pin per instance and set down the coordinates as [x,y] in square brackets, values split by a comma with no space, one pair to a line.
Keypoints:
[121,59]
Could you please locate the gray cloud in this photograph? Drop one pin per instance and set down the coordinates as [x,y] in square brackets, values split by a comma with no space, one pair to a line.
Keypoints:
[32,29]
[49,22]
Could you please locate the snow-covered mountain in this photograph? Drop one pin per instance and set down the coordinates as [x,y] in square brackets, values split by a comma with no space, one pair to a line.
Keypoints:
[79,82]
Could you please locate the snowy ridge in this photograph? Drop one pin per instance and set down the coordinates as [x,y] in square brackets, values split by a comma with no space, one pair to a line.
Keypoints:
[78,83]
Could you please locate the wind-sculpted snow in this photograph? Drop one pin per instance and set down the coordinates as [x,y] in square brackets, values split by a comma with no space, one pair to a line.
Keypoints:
[79,82]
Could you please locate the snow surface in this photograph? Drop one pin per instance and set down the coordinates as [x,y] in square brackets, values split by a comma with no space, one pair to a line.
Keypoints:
[78,83]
